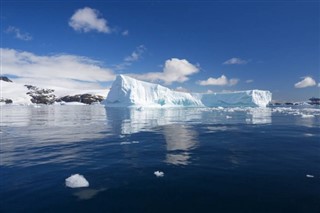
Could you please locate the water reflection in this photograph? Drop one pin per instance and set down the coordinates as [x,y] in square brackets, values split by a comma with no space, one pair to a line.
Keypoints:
[48,134]
[129,121]
[87,194]
[260,115]
[28,131]
[180,139]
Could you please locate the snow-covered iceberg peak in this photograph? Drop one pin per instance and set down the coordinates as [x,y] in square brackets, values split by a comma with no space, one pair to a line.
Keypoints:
[130,92]
[127,91]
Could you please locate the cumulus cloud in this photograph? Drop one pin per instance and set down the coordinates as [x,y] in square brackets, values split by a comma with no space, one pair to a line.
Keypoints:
[221,81]
[306,82]
[235,61]
[88,19]
[60,70]
[249,81]
[18,33]
[175,70]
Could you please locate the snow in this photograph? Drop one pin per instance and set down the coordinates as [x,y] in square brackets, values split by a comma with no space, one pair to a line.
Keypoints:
[158,173]
[17,92]
[76,181]
[129,92]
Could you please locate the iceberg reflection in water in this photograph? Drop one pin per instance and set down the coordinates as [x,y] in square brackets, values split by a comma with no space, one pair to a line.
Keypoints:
[204,153]
[176,124]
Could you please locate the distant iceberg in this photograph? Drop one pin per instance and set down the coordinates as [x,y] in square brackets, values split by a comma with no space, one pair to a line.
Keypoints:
[130,92]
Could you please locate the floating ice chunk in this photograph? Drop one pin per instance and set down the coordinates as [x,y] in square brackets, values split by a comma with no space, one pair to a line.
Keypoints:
[228,117]
[127,143]
[306,116]
[310,176]
[76,181]
[158,173]
[308,134]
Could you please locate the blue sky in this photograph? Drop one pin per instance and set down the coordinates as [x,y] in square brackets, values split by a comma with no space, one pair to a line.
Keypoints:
[185,45]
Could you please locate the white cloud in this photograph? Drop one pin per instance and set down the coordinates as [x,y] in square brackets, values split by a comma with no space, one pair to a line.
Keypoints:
[175,70]
[18,34]
[181,89]
[221,81]
[125,33]
[88,19]
[306,82]
[135,56]
[249,81]
[235,61]
[59,70]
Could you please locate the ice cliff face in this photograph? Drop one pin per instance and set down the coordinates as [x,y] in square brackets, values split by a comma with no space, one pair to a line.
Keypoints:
[240,98]
[127,91]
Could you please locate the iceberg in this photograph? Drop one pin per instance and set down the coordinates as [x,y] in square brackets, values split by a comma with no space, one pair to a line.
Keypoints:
[130,92]
[76,181]
[127,91]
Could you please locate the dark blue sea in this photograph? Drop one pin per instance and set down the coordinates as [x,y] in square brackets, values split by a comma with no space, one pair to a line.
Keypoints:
[215,160]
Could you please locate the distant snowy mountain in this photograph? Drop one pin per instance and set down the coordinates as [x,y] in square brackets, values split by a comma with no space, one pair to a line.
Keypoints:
[128,92]
[16,93]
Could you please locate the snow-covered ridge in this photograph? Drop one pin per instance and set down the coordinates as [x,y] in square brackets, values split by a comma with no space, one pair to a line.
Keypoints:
[130,92]
[21,94]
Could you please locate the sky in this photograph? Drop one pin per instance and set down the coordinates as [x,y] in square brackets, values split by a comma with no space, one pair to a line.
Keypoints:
[195,46]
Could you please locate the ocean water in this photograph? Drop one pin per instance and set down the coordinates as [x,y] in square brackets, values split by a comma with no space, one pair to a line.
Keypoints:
[237,160]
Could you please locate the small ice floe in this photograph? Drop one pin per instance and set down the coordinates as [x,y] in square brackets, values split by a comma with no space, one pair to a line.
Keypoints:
[248,120]
[127,143]
[76,181]
[308,134]
[310,176]
[158,173]
[306,116]
[228,117]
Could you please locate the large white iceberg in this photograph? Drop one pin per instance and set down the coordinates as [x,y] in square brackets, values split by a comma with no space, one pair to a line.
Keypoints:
[130,92]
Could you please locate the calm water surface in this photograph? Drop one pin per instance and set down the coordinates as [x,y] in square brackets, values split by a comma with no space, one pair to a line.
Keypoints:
[214,160]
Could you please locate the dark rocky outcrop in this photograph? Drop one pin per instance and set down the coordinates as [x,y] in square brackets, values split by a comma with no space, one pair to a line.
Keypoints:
[82,98]
[4,78]
[7,101]
[41,96]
